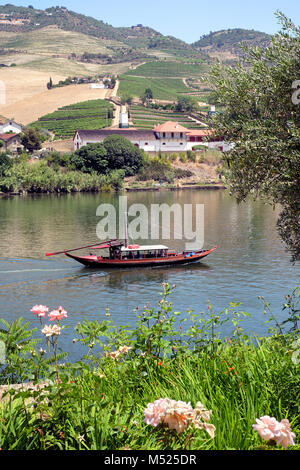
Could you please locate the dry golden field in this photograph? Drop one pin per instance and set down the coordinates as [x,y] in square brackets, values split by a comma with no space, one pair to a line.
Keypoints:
[28,98]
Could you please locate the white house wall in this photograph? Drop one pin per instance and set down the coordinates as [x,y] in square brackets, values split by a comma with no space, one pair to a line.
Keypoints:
[10,127]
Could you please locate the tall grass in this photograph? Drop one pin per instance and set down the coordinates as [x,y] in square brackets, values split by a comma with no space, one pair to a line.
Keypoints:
[41,178]
[98,403]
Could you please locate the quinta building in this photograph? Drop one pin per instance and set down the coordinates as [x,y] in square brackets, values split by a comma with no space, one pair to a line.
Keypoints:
[167,137]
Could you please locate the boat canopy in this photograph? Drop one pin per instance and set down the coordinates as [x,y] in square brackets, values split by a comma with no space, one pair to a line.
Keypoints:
[144,248]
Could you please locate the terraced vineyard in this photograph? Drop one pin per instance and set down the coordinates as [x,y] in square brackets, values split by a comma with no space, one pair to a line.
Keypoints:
[163,89]
[93,114]
[145,118]
[169,69]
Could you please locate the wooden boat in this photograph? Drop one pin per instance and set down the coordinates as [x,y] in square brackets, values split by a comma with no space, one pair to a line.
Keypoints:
[133,256]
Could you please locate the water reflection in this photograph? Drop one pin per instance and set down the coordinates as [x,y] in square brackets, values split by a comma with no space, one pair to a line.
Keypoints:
[250,261]
[117,278]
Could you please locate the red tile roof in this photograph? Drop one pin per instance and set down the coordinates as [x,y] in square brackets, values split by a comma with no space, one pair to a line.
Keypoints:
[7,137]
[170,126]
[198,132]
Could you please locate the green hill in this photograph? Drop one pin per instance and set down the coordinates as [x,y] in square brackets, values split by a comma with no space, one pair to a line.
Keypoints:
[138,36]
[228,41]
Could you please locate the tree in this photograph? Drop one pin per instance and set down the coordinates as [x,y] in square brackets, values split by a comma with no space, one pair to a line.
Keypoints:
[115,153]
[262,118]
[123,155]
[50,84]
[92,157]
[31,139]
[5,163]
[127,99]
[147,96]
[185,104]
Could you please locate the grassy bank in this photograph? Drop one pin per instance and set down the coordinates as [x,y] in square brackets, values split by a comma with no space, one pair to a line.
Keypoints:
[41,178]
[58,173]
[100,401]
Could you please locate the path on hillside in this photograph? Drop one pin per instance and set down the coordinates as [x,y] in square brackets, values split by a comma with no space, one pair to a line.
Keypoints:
[117,108]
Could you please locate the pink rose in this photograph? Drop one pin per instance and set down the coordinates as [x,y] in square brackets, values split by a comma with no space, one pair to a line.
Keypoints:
[57,315]
[40,310]
[51,330]
[269,429]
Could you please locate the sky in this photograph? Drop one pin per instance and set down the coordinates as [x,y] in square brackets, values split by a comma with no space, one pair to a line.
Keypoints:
[184,19]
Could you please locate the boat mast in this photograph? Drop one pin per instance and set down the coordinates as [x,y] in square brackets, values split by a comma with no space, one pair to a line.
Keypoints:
[126,230]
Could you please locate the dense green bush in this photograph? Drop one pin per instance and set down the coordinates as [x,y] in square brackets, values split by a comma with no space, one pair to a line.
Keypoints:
[123,155]
[115,153]
[5,163]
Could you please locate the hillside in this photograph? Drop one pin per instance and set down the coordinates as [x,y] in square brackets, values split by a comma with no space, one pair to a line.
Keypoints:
[22,19]
[58,43]
[225,44]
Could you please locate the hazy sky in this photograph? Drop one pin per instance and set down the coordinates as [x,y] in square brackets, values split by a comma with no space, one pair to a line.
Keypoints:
[185,19]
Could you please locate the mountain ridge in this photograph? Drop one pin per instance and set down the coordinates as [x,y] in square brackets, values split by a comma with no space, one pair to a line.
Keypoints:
[137,36]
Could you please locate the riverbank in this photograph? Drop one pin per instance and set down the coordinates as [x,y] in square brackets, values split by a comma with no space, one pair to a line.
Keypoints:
[145,188]
[55,174]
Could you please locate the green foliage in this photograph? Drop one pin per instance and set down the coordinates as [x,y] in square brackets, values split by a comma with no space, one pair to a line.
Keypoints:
[92,114]
[5,163]
[231,39]
[56,160]
[262,120]
[92,157]
[147,96]
[163,89]
[168,69]
[186,104]
[31,139]
[123,155]
[115,153]
[18,344]
[191,156]
[98,403]
[160,169]
[50,84]
[47,177]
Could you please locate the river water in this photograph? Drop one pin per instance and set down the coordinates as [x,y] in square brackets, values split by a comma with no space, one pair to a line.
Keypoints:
[251,261]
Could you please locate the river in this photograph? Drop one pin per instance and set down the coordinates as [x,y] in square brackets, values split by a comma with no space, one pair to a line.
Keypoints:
[250,261]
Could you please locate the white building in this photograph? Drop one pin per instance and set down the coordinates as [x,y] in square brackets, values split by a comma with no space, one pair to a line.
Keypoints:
[97,85]
[10,126]
[124,120]
[167,137]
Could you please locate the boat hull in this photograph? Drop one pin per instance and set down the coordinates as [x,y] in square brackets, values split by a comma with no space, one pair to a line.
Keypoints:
[93,261]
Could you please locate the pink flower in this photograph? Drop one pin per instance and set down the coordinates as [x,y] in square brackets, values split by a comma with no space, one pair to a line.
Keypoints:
[177,415]
[269,429]
[51,330]
[155,412]
[287,436]
[40,310]
[114,354]
[124,349]
[57,315]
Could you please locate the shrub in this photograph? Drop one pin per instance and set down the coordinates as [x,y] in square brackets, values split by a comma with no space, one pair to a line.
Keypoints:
[123,155]
[191,156]
[182,157]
